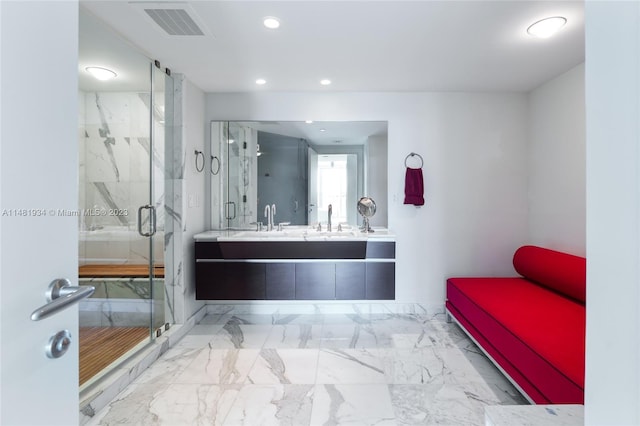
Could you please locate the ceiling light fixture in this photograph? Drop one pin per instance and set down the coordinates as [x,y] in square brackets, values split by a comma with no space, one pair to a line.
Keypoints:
[271,22]
[309,121]
[101,74]
[547,27]
[323,130]
[325,82]
[261,81]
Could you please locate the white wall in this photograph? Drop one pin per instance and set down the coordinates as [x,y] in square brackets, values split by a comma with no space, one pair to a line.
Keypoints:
[556,164]
[474,148]
[194,219]
[612,388]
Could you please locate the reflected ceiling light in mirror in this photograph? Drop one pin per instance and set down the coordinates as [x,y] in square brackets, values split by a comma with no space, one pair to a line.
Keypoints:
[261,82]
[309,121]
[323,130]
[325,82]
[271,22]
[547,27]
[230,141]
[102,74]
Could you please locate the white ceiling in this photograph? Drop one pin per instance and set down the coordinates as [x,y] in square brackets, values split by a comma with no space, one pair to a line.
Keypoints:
[359,45]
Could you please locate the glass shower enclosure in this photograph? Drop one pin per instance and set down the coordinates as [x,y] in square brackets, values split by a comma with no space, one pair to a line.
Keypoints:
[124,126]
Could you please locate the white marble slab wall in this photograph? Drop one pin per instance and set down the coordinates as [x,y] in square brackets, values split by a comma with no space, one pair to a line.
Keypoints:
[175,206]
[114,167]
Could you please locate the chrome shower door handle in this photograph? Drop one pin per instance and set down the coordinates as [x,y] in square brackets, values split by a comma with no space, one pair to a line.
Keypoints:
[61,295]
[227,214]
[152,220]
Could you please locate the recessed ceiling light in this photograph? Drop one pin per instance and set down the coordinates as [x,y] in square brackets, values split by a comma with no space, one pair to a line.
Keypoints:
[101,74]
[547,27]
[325,82]
[261,81]
[309,121]
[323,130]
[271,22]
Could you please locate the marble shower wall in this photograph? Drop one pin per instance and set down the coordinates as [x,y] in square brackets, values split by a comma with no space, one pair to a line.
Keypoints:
[175,225]
[114,174]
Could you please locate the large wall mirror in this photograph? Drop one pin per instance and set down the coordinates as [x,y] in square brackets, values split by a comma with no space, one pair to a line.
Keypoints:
[301,167]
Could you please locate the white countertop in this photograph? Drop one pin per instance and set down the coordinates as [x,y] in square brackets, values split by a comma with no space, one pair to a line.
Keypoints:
[296,234]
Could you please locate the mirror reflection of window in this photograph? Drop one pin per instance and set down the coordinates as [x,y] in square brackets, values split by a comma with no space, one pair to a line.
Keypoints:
[337,185]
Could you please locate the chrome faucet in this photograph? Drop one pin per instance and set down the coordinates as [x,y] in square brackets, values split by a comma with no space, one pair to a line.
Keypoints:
[329,218]
[267,214]
[270,213]
[273,216]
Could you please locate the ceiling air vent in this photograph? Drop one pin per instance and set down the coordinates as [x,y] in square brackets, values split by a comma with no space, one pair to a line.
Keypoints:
[175,22]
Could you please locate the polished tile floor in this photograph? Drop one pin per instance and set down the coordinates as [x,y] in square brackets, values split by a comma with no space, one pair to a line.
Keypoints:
[324,369]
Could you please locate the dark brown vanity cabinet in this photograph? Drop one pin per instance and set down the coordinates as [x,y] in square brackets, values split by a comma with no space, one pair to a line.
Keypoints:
[353,270]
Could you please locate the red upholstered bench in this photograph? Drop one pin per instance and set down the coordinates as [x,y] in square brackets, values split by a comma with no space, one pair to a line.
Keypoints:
[532,327]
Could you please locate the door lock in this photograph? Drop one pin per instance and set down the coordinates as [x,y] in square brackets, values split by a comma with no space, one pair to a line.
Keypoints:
[59,344]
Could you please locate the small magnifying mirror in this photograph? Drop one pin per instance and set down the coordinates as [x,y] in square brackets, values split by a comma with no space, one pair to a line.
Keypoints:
[366,208]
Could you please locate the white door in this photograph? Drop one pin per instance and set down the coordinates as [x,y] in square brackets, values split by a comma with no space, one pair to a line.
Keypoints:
[312,182]
[38,197]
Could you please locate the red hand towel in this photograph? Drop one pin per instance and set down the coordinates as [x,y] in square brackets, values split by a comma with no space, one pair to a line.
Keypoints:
[413,187]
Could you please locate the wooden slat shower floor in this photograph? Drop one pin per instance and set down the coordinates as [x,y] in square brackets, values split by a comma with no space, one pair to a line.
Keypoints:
[119,271]
[101,346]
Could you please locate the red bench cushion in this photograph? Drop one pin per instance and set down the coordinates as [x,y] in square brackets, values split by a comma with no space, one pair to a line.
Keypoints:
[538,331]
[561,272]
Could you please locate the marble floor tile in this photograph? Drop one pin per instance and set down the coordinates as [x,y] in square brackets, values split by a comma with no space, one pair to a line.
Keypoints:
[346,319]
[219,366]
[532,415]
[251,319]
[326,368]
[349,366]
[444,334]
[169,365]
[205,329]
[284,366]
[284,319]
[401,333]
[434,404]
[287,405]
[335,404]
[414,366]
[240,336]
[195,341]
[348,336]
[212,318]
[300,336]
[171,405]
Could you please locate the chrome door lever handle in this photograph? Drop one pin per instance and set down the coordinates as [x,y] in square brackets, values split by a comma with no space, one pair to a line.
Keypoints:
[60,296]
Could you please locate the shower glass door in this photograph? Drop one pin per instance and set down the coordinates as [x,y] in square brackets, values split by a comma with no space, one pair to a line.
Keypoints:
[121,210]
[162,90]
[239,152]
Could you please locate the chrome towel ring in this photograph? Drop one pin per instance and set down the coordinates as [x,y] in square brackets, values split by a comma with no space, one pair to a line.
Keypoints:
[199,154]
[413,154]
[213,157]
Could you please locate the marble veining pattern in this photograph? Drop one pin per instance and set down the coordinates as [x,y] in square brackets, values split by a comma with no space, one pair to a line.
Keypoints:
[237,368]
[531,415]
